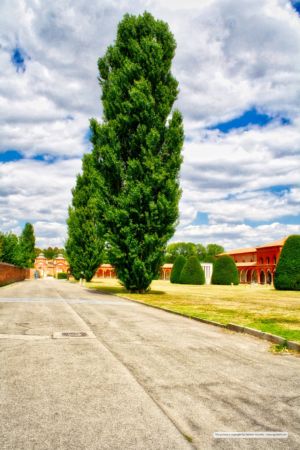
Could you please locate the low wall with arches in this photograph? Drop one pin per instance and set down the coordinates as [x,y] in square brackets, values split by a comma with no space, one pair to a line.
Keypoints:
[257,275]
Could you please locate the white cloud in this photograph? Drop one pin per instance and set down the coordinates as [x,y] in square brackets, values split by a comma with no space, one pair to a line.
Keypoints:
[232,236]
[39,193]
[231,56]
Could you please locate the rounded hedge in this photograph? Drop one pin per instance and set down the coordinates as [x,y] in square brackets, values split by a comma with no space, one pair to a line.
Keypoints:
[177,269]
[225,271]
[62,276]
[192,272]
[287,275]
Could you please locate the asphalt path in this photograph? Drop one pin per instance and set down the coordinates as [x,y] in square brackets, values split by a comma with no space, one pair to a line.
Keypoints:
[85,370]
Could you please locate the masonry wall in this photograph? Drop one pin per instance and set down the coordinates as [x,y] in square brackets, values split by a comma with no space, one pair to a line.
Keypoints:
[11,274]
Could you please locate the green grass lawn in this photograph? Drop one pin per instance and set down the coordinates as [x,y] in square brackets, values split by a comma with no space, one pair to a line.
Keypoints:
[260,307]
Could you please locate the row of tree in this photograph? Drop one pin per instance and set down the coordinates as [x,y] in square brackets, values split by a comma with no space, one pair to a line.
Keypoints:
[18,250]
[50,252]
[187,249]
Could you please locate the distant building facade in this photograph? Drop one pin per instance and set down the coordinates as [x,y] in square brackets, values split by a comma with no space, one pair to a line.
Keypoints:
[257,264]
[105,271]
[51,267]
[108,271]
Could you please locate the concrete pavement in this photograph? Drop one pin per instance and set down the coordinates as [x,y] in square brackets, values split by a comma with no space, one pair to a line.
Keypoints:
[143,379]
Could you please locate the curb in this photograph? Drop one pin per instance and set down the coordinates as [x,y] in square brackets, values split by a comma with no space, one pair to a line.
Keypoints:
[291,345]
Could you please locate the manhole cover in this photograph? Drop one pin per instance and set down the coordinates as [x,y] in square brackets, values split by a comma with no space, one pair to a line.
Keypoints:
[74,334]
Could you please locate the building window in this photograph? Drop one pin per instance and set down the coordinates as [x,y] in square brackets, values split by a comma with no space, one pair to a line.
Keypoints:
[261,260]
[274,259]
[268,260]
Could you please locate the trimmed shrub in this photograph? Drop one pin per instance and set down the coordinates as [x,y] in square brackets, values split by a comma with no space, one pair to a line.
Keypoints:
[287,275]
[177,269]
[225,271]
[62,276]
[192,272]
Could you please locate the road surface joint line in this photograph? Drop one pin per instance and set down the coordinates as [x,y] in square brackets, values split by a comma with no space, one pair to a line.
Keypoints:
[25,337]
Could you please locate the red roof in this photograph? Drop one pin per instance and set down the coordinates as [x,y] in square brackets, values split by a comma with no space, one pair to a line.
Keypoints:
[278,243]
[239,250]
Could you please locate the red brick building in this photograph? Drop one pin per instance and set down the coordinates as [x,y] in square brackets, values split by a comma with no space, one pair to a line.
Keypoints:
[50,267]
[105,271]
[257,264]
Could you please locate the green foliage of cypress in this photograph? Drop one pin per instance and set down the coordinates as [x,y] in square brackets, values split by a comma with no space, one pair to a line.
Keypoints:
[26,252]
[192,272]
[225,271]
[137,148]
[85,242]
[177,268]
[287,275]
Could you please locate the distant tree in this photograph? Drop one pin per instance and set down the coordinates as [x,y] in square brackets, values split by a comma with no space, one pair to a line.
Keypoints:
[52,253]
[49,253]
[192,272]
[201,252]
[137,148]
[175,249]
[85,241]
[1,246]
[212,250]
[11,248]
[37,251]
[26,253]
[187,249]
[225,271]
[287,275]
[177,269]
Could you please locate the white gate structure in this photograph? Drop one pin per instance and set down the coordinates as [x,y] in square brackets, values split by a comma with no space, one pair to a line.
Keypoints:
[208,269]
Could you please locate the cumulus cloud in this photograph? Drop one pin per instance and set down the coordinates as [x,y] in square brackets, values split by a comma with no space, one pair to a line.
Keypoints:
[237,235]
[231,56]
[37,192]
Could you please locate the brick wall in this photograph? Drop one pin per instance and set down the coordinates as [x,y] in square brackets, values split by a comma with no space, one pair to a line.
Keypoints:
[10,274]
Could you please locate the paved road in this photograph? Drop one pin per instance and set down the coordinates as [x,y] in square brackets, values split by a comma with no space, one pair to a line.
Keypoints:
[141,379]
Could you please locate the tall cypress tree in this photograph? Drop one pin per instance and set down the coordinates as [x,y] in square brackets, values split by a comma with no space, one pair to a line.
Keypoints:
[137,148]
[85,242]
[26,253]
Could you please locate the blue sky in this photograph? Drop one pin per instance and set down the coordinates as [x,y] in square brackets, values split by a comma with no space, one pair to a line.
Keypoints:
[238,67]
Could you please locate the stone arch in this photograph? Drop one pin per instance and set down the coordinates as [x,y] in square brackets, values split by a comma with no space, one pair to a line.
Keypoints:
[243,276]
[249,276]
[262,277]
[254,276]
[269,278]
